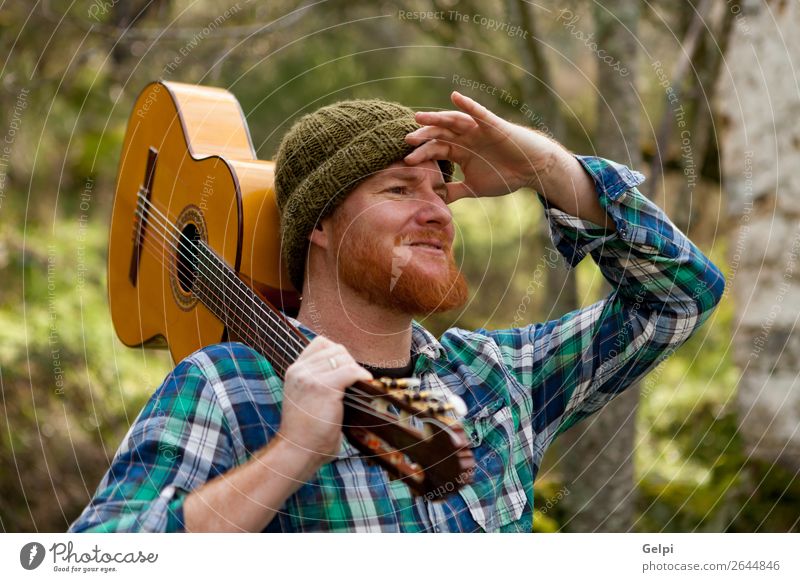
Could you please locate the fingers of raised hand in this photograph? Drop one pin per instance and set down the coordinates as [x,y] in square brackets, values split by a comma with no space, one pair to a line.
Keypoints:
[455,121]
[472,107]
[428,133]
[470,116]
[432,150]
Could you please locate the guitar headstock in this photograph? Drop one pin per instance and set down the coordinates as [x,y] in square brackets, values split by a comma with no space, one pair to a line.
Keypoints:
[431,453]
[405,395]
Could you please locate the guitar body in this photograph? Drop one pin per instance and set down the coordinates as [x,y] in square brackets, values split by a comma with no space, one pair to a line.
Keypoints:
[189,147]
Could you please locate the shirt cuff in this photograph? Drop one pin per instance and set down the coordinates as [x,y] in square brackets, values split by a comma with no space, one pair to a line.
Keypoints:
[574,237]
[175,521]
[165,513]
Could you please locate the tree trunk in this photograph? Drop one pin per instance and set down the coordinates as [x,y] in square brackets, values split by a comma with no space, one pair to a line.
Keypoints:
[598,454]
[759,104]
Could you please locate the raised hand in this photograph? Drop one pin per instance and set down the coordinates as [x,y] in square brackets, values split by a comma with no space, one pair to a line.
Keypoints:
[496,156]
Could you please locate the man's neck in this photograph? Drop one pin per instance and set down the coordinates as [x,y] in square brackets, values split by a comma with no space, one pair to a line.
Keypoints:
[372,334]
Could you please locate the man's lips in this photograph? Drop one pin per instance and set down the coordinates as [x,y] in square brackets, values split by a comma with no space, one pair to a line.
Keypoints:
[428,244]
[433,242]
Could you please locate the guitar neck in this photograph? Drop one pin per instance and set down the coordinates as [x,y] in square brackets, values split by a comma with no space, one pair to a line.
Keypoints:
[247,317]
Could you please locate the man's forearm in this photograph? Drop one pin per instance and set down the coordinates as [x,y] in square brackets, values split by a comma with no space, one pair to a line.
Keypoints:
[565,184]
[248,497]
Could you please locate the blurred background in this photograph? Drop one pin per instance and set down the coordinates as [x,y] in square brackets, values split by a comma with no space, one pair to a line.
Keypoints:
[702,96]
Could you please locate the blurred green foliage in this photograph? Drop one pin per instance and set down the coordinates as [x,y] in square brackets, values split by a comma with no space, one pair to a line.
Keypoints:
[70,390]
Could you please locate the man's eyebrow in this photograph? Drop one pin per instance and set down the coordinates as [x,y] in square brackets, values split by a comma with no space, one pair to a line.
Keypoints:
[405,176]
[412,177]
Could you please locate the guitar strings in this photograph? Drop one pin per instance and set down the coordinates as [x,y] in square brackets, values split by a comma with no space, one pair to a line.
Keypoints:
[355,400]
[164,223]
[215,291]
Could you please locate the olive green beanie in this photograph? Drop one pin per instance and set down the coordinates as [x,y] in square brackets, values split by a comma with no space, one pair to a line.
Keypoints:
[324,156]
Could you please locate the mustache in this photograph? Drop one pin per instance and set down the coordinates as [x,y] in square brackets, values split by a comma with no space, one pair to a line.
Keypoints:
[426,234]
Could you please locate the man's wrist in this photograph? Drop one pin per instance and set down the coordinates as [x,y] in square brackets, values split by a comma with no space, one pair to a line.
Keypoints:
[547,155]
[552,171]
[297,461]
[571,189]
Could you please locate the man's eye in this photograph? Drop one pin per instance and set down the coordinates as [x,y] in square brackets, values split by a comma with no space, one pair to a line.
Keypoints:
[397,190]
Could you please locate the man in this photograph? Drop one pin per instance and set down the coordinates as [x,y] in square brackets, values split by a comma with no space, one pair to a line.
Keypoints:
[363,188]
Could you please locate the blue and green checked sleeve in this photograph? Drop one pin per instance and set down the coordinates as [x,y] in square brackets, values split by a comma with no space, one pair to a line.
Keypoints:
[663,289]
[179,441]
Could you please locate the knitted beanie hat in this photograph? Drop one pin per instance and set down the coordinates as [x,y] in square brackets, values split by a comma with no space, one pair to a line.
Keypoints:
[324,156]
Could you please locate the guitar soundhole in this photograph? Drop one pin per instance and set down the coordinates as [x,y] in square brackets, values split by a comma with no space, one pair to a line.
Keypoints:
[187,257]
[183,273]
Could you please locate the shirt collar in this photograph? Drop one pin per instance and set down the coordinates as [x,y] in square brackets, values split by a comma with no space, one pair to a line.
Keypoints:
[422,341]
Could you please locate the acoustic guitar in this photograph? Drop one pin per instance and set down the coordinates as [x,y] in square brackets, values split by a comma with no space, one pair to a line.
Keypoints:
[194,260]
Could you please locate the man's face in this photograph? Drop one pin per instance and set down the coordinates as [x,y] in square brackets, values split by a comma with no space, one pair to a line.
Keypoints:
[392,238]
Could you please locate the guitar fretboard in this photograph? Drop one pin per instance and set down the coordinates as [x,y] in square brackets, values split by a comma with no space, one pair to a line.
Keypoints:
[243,312]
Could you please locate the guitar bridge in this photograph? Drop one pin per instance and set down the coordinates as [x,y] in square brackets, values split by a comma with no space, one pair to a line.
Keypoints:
[140,220]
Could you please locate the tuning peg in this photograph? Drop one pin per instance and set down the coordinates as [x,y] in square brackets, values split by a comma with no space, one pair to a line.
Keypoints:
[453,403]
[413,395]
[400,382]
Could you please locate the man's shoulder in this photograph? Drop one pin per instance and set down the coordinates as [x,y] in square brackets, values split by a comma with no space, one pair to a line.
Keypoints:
[509,348]
[222,351]
[460,339]
[226,361]
[228,379]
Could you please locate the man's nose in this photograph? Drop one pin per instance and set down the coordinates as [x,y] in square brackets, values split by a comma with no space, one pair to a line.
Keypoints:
[433,210]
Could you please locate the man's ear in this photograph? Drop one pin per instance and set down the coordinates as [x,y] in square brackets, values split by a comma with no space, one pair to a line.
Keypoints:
[320,235]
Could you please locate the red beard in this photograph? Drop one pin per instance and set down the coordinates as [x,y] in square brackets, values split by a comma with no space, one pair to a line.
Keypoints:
[390,278]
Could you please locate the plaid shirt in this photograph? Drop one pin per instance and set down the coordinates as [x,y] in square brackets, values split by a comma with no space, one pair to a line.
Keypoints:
[522,388]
